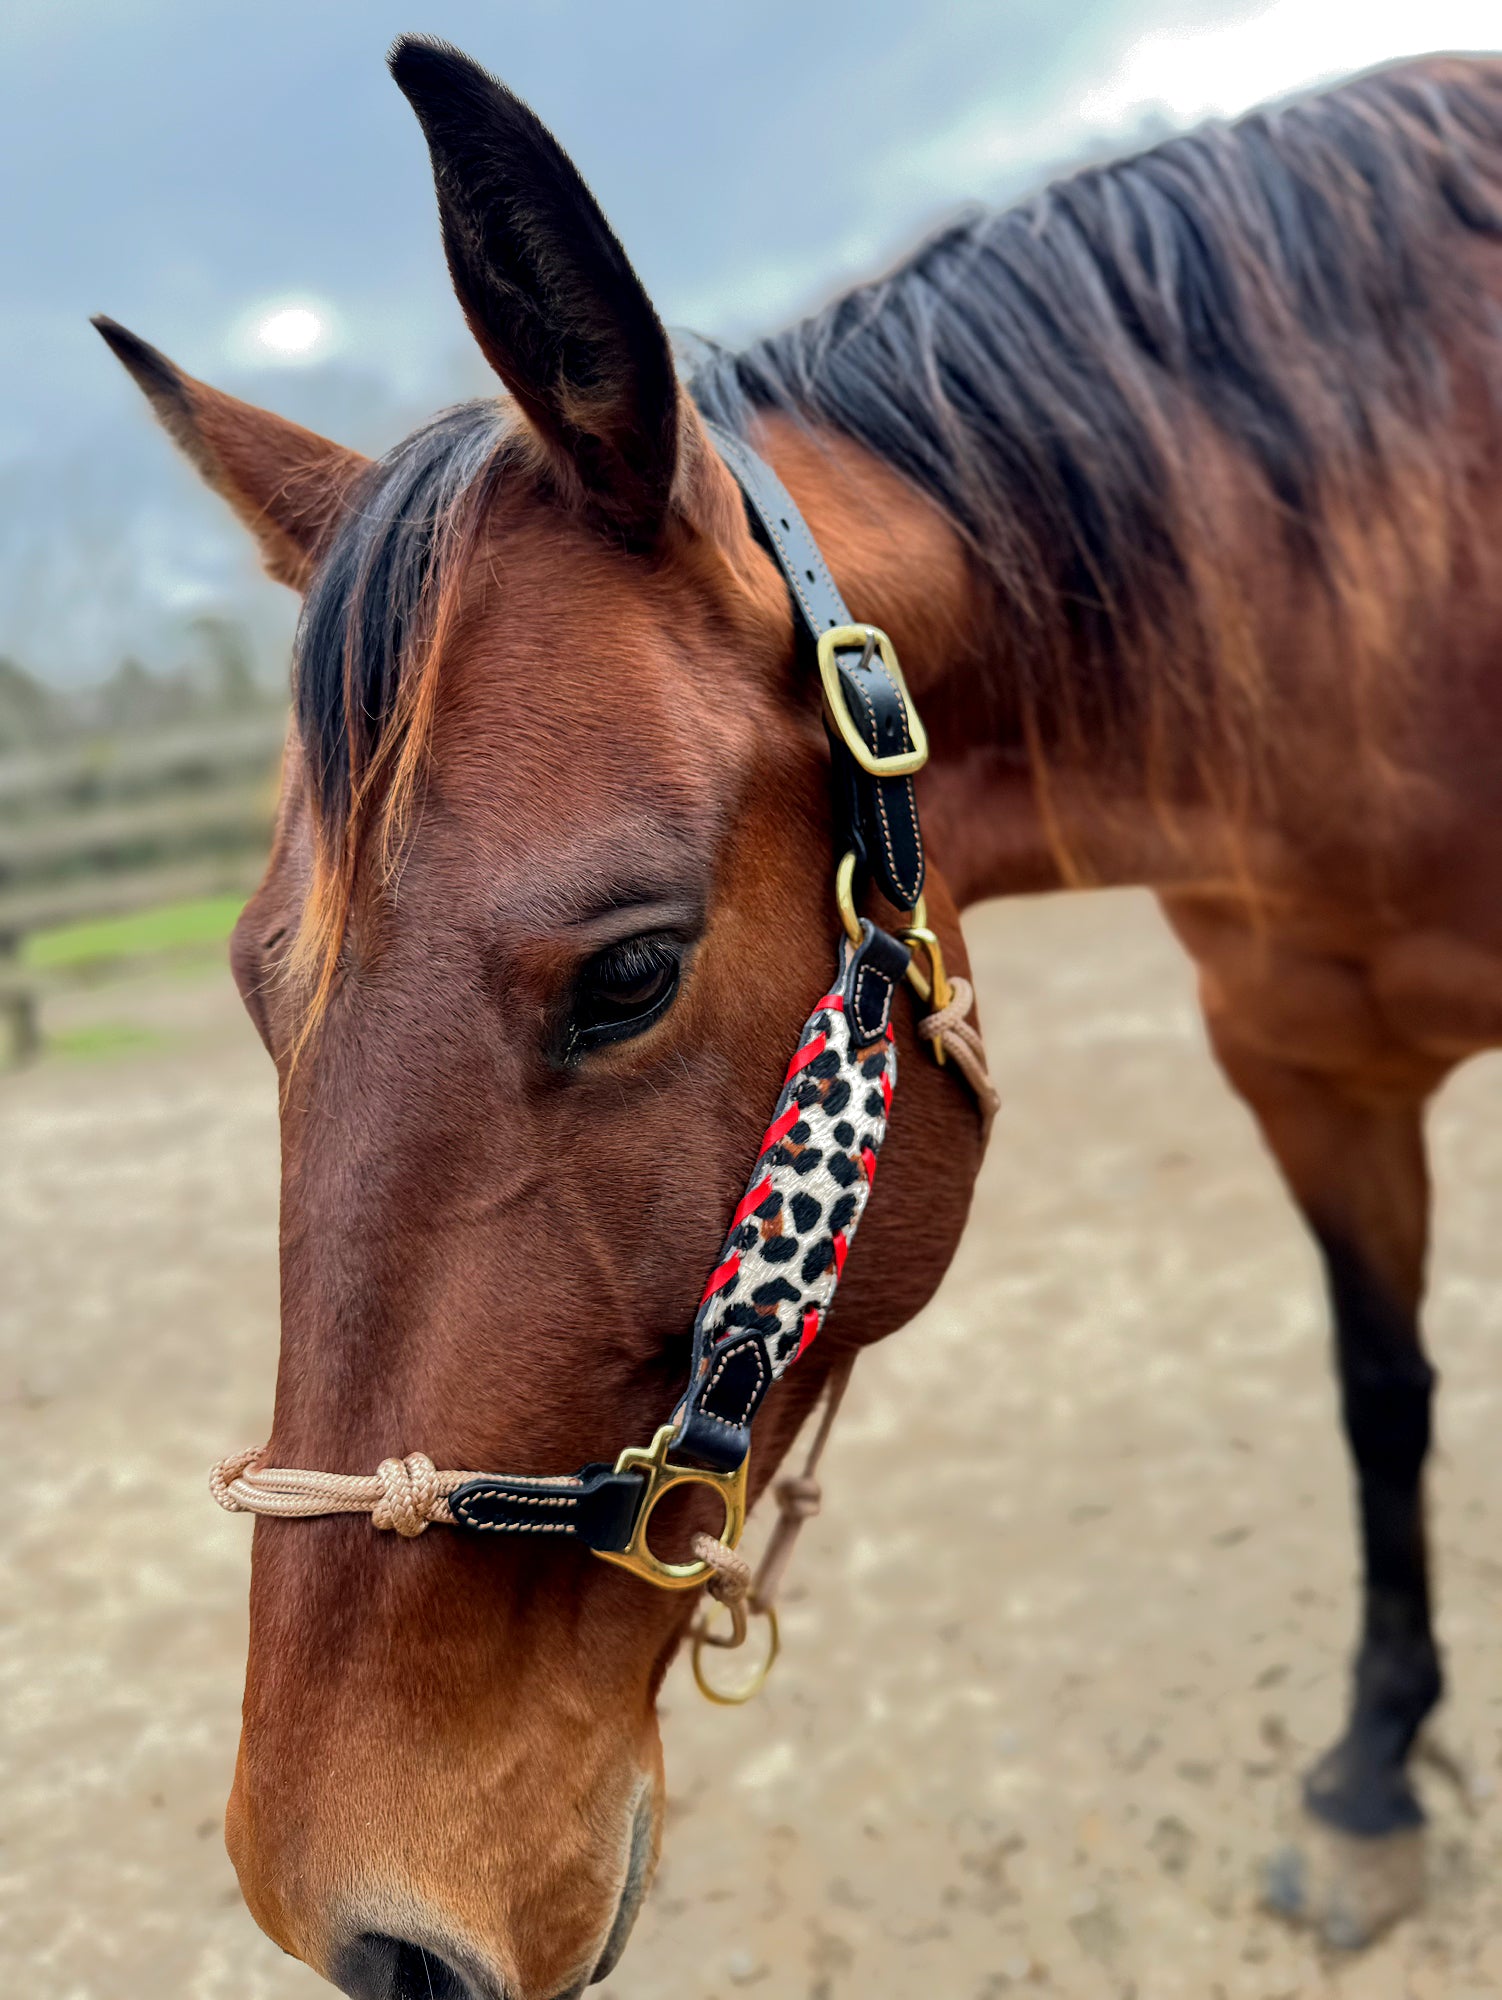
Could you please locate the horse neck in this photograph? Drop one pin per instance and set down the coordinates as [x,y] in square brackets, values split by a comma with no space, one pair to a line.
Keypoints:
[995,822]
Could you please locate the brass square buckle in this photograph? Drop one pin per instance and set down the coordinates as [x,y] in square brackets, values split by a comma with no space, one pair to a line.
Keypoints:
[661,1477]
[870,638]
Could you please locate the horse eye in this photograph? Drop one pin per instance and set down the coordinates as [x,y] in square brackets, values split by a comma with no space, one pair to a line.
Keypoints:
[622,991]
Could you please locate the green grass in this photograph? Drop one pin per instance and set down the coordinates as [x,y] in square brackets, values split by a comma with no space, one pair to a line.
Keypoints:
[102,1039]
[174,928]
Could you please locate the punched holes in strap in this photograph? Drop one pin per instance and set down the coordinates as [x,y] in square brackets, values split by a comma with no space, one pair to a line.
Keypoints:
[876,816]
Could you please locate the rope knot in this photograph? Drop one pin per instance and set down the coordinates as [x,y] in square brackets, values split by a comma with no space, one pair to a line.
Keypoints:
[730,1573]
[410,1494]
[227,1471]
[729,1584]
[958,1036]
[799,1498]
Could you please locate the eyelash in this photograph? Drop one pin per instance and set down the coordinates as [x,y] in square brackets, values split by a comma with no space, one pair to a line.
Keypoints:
[635,962]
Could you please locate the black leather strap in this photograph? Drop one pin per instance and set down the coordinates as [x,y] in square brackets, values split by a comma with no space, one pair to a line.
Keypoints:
[599,1507]
[877,817]
[880,968]
[716,1425]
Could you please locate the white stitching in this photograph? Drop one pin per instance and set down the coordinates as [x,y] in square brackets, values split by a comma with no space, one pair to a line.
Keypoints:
[881,804]
[886,1004]
[790,570]
[520,1527]
[818,556]
[543,1479]
[734,1423]
[521,1500]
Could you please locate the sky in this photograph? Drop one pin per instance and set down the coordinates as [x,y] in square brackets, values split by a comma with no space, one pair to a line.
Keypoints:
[243,185]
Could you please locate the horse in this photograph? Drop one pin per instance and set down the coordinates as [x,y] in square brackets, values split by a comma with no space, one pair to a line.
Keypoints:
[1176,489]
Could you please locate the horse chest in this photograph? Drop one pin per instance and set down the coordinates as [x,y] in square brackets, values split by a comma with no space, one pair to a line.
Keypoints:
[1385,1012]
[1440,993]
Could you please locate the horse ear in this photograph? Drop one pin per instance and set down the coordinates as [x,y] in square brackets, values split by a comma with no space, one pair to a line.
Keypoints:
[289,486]
[547,289]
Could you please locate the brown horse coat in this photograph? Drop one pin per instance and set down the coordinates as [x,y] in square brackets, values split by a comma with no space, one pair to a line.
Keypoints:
[1178,491]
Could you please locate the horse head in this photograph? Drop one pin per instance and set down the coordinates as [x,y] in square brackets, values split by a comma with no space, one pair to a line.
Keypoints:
[548,901]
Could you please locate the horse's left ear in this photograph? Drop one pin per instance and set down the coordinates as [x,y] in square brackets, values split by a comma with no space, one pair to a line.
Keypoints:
[547,289]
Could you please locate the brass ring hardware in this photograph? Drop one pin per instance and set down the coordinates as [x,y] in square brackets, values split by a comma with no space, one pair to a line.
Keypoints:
[918,927]
[661,1478]
[932,987]
[934,990]
[870,638]
[750,1688]
[844,897]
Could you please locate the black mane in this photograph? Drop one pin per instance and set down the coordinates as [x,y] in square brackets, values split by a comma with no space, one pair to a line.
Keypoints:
[1038,372]
[1294,279]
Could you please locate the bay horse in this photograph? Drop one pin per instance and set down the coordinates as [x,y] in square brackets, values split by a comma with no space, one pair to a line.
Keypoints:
[1178,490]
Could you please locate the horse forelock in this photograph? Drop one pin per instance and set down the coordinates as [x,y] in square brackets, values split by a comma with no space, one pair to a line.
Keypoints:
[365,660]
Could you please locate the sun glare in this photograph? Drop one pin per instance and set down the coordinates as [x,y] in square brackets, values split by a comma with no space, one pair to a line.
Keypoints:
[293,332]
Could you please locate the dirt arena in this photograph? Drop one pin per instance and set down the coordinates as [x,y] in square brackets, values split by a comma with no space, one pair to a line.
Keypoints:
[1054,1656]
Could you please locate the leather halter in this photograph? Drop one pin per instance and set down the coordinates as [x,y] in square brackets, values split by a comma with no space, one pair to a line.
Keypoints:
[772,1285]
[876,744]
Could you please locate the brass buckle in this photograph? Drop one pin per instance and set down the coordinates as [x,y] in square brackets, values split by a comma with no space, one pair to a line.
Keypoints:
[901,763]
[661,1478]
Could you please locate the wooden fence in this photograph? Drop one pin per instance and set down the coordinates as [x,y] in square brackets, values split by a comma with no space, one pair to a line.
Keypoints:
[108,827]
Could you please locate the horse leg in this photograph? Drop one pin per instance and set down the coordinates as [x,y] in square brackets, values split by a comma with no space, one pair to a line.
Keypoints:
[1357,1167]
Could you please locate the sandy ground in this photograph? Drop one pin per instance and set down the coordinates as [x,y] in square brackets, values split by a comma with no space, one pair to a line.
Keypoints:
[1053,1656]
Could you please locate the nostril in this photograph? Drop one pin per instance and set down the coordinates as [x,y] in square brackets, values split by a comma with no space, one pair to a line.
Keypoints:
[384,1968]
[421,1976]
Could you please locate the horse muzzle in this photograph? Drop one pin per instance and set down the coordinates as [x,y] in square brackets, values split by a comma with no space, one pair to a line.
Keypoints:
[457,1933]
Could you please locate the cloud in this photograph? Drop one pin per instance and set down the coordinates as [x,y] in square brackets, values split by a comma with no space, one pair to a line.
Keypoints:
[191,169]
[1224,68]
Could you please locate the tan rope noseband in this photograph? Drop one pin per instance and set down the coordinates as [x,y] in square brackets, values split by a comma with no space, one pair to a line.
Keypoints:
[403,1494]
[410,1494]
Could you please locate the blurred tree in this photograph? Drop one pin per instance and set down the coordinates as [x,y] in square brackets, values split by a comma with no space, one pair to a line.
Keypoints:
[134,698]
[231,679]
[29,712]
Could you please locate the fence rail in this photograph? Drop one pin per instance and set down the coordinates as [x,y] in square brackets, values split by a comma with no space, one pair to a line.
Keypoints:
[102,767]
[110,827]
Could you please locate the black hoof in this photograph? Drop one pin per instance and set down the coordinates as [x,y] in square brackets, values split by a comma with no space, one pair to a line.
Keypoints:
[1357,1795]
